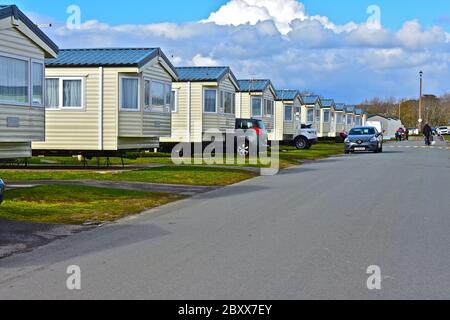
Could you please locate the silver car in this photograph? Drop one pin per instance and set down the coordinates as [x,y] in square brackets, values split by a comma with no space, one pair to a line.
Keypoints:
[253,134]
[363,139]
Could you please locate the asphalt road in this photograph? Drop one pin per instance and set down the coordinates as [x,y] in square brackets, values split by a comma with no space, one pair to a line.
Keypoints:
[310,232]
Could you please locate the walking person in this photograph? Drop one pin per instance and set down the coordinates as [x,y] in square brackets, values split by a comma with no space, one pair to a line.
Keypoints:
[407,134]
[427,132]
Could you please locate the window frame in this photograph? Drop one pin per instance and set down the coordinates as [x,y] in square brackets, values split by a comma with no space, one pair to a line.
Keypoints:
[175,101]
[165,106]
[29,80]
[329,116]
[216,107]
[61,93]
[317,115]
[272,103]
[261,106]
[291,113]
[349,120]
[233,102]
[139,106]
[42,63]
[311,112]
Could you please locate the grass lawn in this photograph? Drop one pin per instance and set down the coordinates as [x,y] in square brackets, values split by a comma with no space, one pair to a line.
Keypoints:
[77,204]
[167,175]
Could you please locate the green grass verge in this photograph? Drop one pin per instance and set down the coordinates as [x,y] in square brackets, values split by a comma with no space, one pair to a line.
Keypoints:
[77,204]
[204,176]
[318,151]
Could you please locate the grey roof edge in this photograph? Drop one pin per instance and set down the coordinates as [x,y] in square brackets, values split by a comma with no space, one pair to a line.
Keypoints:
[227,70]
[317,99]
[268,84]
[297,94]
[14,11]
[155,53]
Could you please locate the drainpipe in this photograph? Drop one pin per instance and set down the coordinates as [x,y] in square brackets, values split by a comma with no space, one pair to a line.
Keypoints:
[100,109]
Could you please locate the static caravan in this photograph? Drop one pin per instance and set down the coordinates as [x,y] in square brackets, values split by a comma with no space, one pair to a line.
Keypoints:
[23,49]
[340,118]
[361,117]
[256,99]
[389,125]
[327,119]
[106,101]
[205,101]
[311,111]
[288,108]
[358,117]
[349,117]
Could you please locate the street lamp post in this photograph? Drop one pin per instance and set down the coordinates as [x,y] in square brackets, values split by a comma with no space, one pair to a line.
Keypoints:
[420,101]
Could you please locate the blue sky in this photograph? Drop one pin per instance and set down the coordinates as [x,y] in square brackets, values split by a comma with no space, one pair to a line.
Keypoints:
[394,13]
[322,46]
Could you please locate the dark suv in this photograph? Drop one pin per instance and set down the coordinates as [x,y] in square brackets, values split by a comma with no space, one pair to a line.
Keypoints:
[256,135]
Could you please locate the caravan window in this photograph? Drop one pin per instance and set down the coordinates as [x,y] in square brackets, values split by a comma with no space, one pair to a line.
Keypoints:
[349,120]
[210,100]
[174,101]
[288,110]
[228,102]
[157,96]
[268,112]
[37,72]
[326,116]
[64,93]
[256,107]
[130,94]
[310,115]
[14,81]
[52,93]
[72,93]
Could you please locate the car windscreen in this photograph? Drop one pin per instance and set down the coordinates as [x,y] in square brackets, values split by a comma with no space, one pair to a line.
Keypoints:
[244,124]
[261,125]
[362,131]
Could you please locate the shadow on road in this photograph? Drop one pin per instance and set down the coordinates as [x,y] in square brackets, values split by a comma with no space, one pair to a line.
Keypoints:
[88,242]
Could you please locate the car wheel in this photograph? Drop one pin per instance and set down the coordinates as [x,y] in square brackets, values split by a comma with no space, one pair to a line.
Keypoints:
[243,149]
[347,152]
[302,143]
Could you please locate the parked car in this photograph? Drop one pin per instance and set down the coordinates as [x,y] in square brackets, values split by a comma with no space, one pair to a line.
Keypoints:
[364,139]
[2,190]
[305,137]
[256,136]
[443,131]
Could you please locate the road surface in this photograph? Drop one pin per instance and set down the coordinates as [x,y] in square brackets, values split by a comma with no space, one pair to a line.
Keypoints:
[311,232]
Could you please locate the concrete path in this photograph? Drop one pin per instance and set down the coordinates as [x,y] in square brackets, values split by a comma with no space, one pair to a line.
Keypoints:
[309,232]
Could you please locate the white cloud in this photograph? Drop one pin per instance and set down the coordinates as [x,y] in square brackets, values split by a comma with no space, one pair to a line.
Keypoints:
[238,12]
[201,61]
